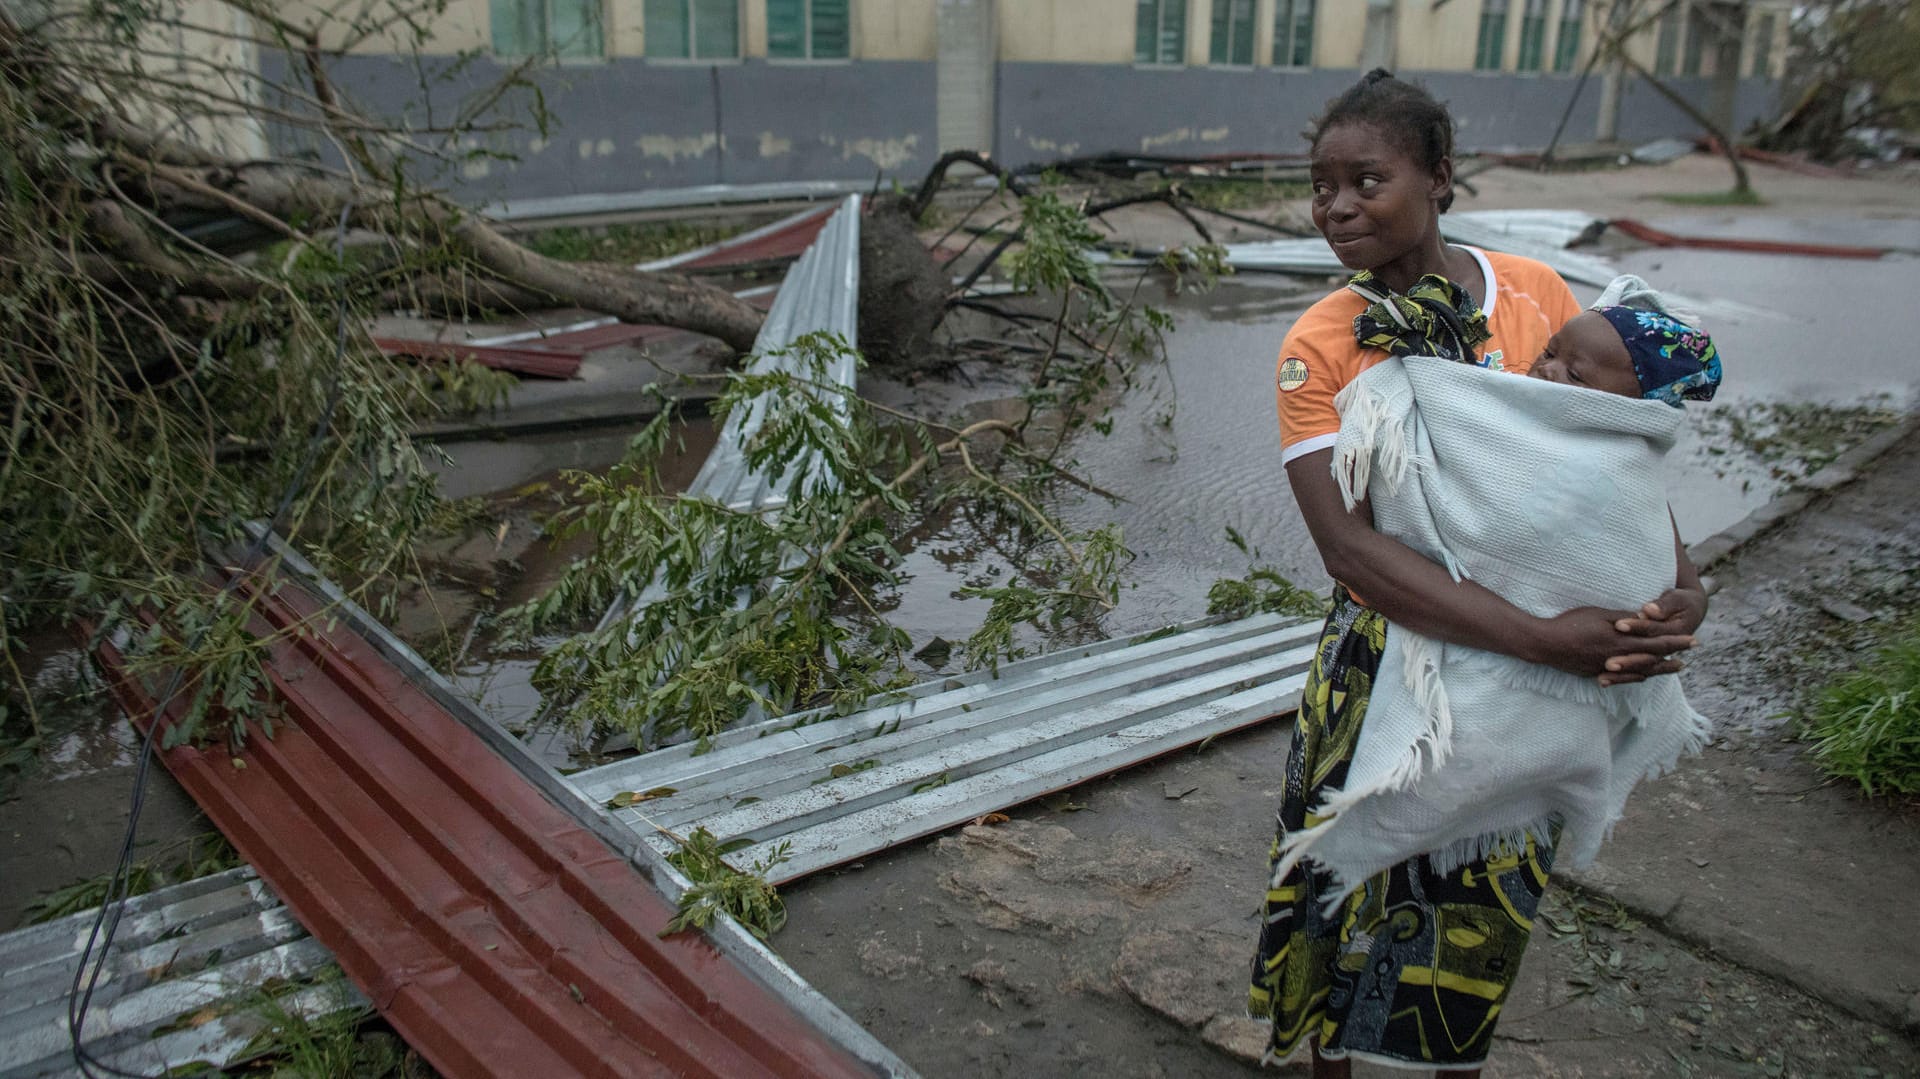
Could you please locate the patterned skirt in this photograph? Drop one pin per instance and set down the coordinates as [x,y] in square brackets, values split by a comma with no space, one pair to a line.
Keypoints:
[1414,966]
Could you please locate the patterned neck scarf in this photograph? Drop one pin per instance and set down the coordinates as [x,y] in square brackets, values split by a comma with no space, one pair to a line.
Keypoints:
[1673,361]
[1434,318]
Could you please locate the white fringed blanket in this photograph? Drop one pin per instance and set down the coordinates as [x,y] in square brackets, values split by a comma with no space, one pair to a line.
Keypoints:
[1551,497]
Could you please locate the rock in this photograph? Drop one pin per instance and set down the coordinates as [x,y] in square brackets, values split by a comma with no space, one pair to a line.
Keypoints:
[1846,612]
[1240,1037]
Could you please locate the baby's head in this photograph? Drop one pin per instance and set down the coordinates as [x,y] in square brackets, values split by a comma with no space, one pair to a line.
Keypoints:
[1634,353]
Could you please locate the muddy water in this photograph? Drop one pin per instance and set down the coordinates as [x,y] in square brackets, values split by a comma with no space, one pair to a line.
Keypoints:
[1790,328]
[1794,331]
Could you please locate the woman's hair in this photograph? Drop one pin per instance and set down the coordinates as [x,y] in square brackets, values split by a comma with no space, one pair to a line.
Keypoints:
[1404,111]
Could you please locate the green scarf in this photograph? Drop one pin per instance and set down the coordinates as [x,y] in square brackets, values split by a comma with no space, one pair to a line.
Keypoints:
[1434,318]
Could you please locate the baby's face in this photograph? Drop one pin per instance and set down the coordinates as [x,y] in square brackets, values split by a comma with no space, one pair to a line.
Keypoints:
[1588,352]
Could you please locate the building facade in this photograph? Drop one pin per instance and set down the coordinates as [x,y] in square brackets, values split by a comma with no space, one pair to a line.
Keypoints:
[669,93]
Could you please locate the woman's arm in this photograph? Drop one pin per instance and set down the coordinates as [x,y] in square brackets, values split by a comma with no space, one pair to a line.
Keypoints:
[1415,592]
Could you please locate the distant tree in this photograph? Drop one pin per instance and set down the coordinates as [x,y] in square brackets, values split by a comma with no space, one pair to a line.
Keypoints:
[1851,68]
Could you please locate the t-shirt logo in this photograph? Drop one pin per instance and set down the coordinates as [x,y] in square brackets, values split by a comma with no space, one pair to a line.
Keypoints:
[1293,374]
[1495,360]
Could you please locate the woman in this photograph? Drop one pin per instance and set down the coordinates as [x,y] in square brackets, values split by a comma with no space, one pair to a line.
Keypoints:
[1415,965]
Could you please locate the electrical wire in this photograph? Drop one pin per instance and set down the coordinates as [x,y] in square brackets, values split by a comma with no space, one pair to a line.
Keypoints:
[99,945]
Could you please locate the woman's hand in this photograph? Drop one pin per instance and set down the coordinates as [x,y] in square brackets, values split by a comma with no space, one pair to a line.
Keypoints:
[1598,643]
[1678,612]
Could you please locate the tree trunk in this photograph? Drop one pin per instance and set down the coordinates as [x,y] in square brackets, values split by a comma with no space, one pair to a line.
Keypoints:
[287,194]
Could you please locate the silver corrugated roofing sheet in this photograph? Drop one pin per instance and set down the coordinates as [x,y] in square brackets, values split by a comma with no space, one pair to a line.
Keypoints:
[838,789]
[671,198]
[186,981]
[1536,234]
[821,293]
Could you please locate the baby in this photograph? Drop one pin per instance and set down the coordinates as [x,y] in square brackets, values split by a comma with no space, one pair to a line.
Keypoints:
[1632,352]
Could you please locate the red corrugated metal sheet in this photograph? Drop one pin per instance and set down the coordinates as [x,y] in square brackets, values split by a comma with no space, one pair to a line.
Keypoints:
[1646,233]
[496,934]
[536,360]
[594,338]
[781,240]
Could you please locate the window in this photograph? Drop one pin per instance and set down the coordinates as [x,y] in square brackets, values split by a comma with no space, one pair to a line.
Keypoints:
[808,29]
[1533,35]
[1763,46]
[692,29]
[1667,49]
[567,28]
[1292,33]
[1160,32]
[1492,47]
[1232,39]
[1697,35]
[1566,44]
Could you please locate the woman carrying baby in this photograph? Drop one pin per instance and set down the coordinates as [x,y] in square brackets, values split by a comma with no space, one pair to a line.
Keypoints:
[1413,967]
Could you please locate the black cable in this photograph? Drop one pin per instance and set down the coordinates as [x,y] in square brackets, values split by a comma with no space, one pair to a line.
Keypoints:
[114,905]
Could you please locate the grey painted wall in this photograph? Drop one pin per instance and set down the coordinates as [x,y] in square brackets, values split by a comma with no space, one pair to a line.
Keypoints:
[629,124]
[1049,111]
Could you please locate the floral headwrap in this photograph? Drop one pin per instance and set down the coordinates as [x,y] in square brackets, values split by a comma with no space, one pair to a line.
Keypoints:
[1673,361]
[1435,318]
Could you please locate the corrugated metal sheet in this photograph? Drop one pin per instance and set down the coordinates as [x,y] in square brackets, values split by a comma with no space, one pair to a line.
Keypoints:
[185,982]
[497,931]
[1646,233]
[821,294]
[837,789]
[673,198]
[785,238]
[1531,233]
[537,361]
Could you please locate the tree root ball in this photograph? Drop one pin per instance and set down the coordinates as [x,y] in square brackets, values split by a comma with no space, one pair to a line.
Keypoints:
[903,292]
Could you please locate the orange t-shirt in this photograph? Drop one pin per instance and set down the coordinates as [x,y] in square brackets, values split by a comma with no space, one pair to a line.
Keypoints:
[1526,303]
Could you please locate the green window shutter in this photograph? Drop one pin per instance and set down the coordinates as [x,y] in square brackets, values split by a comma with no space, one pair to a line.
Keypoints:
[1763,47]
[1173,32]
[1566,43]
[832,30]
[1231,41]
[1493,40]
[574,28]
[519,27]
[1697,34]
[787,29]
[1666,48]
[716,29]
[1533,35]
[668,31]
[1302,32]
[1146,30]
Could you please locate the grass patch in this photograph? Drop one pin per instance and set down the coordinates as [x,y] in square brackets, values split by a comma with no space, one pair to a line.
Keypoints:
[638,241]
[1730,197]
[1865,725]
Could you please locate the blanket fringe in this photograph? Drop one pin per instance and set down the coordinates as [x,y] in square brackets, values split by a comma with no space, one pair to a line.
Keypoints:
[1365,415]
[1509,841]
